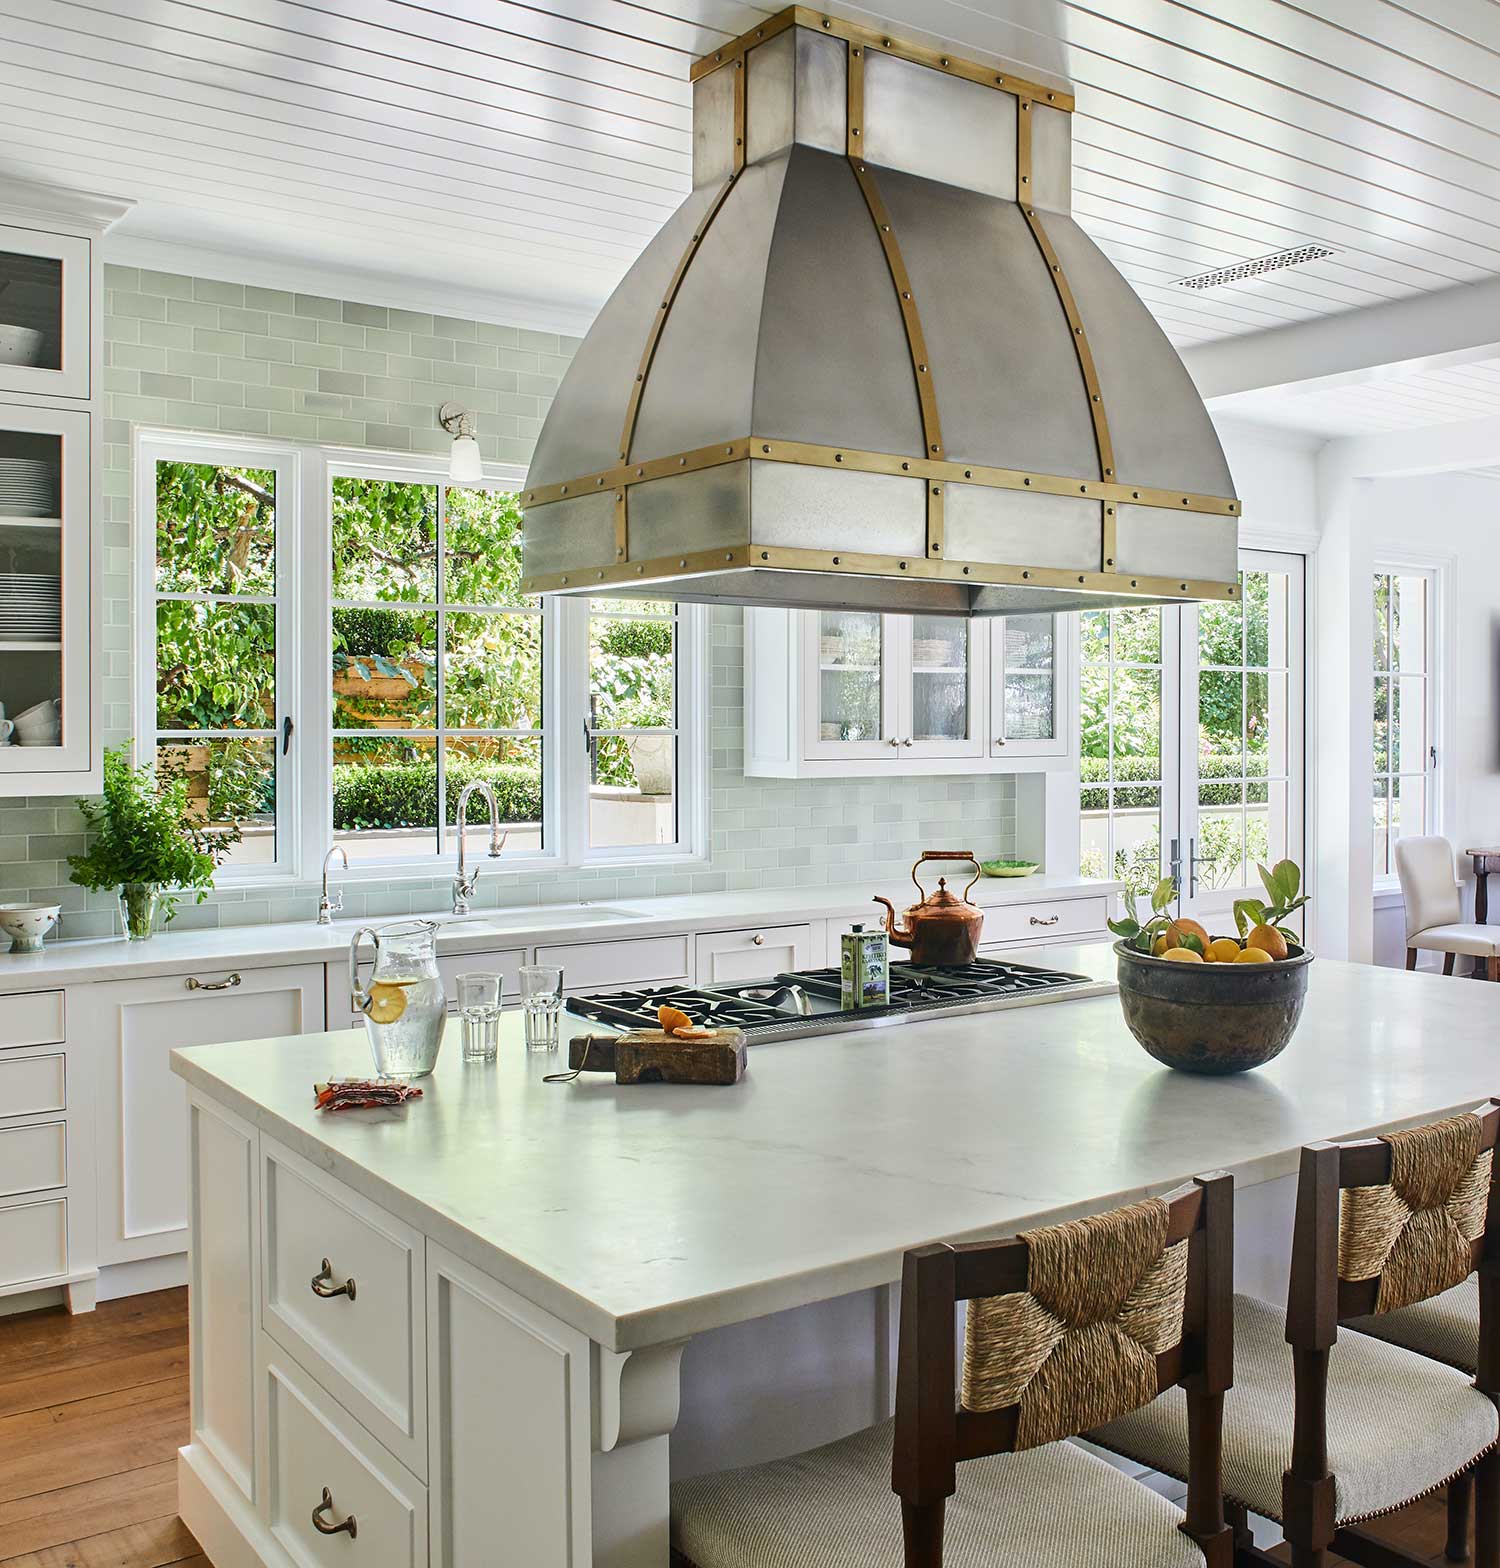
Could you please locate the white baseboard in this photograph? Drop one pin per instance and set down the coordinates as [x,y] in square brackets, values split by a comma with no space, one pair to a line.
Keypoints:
[223,1522]
[135,1279]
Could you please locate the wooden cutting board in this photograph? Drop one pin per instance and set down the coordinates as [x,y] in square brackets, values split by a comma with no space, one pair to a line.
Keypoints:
[653,1056]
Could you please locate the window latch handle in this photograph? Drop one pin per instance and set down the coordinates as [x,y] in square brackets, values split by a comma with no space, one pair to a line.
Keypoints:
[286,735]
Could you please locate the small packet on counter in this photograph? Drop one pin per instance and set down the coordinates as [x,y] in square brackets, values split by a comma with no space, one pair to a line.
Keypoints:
[348,1094]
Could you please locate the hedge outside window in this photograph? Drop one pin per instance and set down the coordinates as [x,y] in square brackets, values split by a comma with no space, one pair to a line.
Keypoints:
[436,676]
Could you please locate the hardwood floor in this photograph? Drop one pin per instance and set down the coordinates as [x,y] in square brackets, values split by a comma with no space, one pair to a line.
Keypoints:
[92,1412]
[94,1408]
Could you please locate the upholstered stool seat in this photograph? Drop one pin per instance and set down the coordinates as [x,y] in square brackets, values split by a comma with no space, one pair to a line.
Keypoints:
[1049,1507]
[1444,1327]
[1375,1390]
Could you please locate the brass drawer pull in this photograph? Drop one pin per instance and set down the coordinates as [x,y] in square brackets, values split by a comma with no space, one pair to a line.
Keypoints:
[349,1526]
[322,1283]
[1051,920]
[195,984]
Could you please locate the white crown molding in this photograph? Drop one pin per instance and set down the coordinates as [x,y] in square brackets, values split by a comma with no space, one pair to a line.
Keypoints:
[56,206]
[365,288]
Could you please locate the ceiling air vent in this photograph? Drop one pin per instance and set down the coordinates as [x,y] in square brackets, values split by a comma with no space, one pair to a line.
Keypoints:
[1242,270]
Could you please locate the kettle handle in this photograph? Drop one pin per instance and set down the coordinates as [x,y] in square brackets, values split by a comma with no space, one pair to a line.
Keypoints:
[947,854]
[357,996]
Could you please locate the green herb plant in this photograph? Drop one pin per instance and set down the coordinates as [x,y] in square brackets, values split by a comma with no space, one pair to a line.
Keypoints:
[1283,884]
[1143,934]
[145,834]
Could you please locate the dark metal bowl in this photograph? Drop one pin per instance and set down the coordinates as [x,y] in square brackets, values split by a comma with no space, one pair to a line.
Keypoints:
[1212,1018]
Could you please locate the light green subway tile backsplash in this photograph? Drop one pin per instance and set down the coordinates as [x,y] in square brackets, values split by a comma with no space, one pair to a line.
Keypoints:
[206,355]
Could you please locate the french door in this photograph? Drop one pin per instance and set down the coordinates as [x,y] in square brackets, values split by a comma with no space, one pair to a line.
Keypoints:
[1193,739]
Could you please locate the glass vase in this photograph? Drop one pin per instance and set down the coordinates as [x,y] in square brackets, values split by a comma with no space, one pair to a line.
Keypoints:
[140,903]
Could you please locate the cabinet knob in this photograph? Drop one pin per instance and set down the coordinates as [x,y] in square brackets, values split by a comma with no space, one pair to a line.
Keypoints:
[758,939]
[893,741]
[908,741]
[999,740]
[229,982]
[322,1283]
[349,1526]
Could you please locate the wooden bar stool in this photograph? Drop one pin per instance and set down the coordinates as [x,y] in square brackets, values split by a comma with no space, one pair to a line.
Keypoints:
[1066,1326]
[1323,1432]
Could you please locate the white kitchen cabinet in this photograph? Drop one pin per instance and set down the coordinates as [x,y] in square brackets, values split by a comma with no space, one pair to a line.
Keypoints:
[842,693]
[46,617]
[45,300]
[757,953]
[141,1130]
[1030,666]
[589,966]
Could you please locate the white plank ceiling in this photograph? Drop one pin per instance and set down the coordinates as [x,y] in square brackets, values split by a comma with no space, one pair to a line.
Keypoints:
[529,150]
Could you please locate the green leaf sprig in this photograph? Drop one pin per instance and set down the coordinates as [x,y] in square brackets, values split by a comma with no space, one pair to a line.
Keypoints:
[1283,884]
[1143,934]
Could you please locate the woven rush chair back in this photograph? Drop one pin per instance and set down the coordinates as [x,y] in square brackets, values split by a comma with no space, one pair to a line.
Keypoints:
[1068,1327]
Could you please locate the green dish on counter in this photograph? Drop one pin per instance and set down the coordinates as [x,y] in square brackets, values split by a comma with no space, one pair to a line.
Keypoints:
[1007,868]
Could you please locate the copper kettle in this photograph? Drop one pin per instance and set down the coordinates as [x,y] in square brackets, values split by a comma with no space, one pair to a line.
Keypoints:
[944,928]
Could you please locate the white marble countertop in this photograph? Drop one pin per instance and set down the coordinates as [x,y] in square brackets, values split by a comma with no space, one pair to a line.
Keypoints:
[73,963]
[643,1215]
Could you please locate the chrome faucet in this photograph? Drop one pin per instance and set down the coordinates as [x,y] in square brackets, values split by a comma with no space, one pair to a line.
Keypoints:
[328,907]
[464,883]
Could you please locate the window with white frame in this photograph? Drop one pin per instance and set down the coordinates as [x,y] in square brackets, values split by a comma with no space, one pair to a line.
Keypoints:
[1404,736]
[215,628]
[341,645]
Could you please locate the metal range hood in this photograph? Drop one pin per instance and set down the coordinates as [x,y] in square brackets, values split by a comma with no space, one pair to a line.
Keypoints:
[871,362]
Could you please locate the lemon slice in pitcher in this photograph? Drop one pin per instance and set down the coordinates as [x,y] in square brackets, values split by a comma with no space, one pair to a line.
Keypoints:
[386,1000]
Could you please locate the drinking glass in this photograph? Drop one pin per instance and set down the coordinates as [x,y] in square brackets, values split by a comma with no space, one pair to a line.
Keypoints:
[541,998]
[479,1011]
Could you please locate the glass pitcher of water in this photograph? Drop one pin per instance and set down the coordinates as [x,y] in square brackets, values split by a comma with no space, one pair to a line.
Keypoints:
[403,1006]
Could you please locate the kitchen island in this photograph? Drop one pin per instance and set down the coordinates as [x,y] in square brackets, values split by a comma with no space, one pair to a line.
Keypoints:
[552,1277]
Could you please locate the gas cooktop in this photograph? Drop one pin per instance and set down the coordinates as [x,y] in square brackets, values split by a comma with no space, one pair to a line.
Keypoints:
[805,1002]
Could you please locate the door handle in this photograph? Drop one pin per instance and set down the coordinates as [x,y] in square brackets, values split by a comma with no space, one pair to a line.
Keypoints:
[1193,868]
[322,1283]
[1174,863]
[349,1526]
[286,735]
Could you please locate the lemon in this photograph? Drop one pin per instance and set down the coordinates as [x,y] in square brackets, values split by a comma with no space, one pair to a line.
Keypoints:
[1223,950]
[1182,955]
[1159,946]
[386,1001]
[1269,939]
[1254,955]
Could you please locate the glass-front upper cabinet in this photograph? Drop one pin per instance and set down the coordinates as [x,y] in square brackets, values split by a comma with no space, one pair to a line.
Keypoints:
[1027,714]
[939,699]
[44,313]
[852,700]
[45,637]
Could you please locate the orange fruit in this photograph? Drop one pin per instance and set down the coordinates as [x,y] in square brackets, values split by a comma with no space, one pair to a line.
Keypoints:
[1254,955]
[673,1019]
[1182,955]
[1223,950]
[1269,940]
[1182,927]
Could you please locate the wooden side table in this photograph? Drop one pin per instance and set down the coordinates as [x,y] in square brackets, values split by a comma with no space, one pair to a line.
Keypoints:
[1485,861]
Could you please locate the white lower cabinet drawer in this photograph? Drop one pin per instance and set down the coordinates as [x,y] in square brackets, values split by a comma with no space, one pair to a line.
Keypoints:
[34,1158]
[31,1018]
[1036,922]
[344,1291]
[32,1085]
[586,965]
[756,953]
[33,1241]
[335,1499]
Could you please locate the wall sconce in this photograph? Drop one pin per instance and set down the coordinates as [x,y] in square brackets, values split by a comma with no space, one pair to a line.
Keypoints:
[465,465]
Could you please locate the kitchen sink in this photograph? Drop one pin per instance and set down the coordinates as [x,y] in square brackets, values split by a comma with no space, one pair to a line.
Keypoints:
[507,921]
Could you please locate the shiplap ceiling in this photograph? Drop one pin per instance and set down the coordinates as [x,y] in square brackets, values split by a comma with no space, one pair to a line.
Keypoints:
[527,151]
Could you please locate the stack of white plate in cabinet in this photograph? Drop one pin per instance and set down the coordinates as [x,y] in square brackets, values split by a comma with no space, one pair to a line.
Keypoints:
[30,607]
[28,487]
